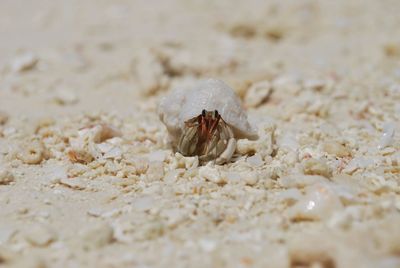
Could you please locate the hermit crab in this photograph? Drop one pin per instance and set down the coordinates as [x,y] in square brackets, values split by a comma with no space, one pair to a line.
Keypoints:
[205,121]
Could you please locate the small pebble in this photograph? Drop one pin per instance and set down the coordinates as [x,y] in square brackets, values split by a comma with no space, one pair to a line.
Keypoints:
[255,160]
[80,156]
[250,178]
[6,177]
[211,174]
[257,94]
[387,137]
[65,97]
[32,152]
[97,236]
[155,172]
[319,203]
[39,235]
[24,62]
[314,166]
[336,149]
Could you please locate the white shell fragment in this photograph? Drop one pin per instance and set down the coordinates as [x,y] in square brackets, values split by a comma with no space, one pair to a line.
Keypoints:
[6,177]
[257,93]
[24,62]
[65,96]
[387,137]
[211,94]
[40,235]
[97,236]
[319,203]
[211,174]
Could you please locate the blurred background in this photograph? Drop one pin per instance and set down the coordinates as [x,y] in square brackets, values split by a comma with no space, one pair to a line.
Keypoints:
[103,54]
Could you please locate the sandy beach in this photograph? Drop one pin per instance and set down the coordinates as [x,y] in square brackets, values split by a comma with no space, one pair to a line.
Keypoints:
[88,175]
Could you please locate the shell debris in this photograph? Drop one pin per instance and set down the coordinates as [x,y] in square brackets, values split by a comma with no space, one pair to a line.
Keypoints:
[24,62]
[257,94]
[117,151]
[388,134]
[314,166]
[65,96]
[6,176]
[211,174]
[97,236]
[40,235]
[319,203]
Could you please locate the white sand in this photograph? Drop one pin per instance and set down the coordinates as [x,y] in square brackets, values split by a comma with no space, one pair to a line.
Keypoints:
[89,179]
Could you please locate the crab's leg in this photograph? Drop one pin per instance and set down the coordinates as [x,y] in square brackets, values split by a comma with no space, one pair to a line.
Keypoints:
[227,154]
[188,141]
[227,143]
[214,133]
[212,143]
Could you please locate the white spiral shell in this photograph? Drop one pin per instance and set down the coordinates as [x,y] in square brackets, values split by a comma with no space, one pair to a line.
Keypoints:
[210,94]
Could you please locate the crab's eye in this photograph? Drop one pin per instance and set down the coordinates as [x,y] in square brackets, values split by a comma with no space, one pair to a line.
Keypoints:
[216,113]
[203,113]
